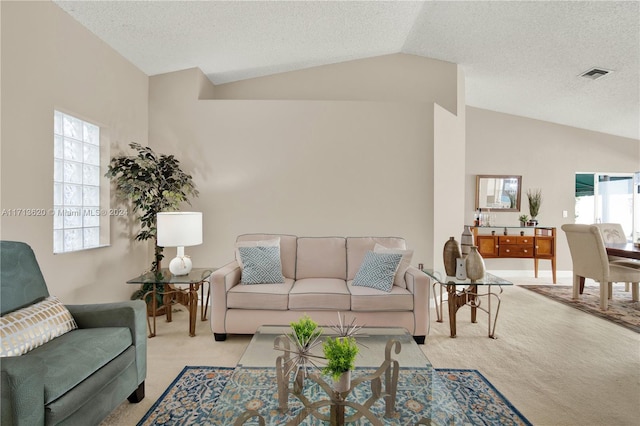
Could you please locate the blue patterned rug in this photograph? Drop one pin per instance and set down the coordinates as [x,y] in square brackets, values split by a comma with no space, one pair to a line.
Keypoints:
[193,399]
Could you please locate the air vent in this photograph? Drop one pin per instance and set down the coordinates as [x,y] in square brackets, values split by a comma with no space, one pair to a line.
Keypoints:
[595,73]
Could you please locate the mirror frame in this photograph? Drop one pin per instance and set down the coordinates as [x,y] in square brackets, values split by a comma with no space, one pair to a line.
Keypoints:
[479,179]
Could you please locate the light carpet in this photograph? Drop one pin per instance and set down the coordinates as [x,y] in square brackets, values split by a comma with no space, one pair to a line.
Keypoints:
[556,364]
[193,398]
[622,310]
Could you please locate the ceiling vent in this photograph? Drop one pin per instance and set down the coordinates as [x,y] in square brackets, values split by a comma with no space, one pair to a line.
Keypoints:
[595,73]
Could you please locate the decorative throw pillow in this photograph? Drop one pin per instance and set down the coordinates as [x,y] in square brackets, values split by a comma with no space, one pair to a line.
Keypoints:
[377,270]
[405,262]
[274,242]
[261,265]
[33,326]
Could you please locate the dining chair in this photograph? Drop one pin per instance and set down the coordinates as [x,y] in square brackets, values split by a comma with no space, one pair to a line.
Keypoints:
[590,260]
[614,233]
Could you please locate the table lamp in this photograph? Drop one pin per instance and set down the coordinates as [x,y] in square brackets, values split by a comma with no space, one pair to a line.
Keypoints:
[179,229]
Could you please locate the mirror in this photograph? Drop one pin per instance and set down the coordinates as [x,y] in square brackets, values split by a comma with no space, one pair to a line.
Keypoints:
[499,193]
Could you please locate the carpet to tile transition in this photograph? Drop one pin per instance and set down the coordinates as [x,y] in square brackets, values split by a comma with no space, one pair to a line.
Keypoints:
[622,310]
[192,399]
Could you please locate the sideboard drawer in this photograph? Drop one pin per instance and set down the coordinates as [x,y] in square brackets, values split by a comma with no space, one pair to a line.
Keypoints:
[514,239]
[516,250]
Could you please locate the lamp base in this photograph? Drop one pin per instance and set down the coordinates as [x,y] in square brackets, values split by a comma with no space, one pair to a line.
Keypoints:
[180,265]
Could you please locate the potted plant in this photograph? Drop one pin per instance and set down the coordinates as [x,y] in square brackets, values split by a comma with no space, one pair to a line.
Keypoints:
[523,219]
[340,353]
[535,199]
[305,332]
[151,183]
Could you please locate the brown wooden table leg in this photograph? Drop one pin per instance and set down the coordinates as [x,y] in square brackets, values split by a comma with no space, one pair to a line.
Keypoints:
[205,304]
[166,301]
[472,291]
[454,303]
[581,284]
[193,308]
[153,310]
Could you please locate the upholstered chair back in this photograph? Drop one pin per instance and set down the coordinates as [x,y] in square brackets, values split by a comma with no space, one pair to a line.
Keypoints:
[21,281]
[587,249]
[612,232]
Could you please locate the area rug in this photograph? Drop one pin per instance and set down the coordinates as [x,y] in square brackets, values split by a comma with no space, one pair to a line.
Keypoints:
[193,399]
[622,310]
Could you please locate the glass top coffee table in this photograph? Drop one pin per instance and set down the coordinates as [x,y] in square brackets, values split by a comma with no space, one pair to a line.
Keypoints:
[410,391]
[466,293]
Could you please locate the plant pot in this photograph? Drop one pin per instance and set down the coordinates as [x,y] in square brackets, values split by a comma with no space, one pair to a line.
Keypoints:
[450,253]
[466,241]
[475,265]
[343,383]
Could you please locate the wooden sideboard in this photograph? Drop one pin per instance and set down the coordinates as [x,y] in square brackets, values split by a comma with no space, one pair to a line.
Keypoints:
[537,243]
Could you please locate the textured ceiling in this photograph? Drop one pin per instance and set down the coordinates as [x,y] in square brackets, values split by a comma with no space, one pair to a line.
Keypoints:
[520,58]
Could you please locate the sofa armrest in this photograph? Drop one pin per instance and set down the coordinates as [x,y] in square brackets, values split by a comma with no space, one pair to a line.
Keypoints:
[221,281]
[22,391]
[131,314]
[419,284]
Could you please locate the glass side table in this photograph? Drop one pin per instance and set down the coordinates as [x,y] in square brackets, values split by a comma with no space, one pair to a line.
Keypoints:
[186,285]
[465,292]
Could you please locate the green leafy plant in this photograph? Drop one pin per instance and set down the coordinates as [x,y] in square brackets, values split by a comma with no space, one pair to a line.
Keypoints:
[535,200]
[151,183]
[305,331]
[523,218]
[340,353]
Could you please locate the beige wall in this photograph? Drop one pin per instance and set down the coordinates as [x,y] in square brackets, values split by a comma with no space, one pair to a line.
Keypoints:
[307,165]
[51,62]
[363,147]
[397,77]
[547,156]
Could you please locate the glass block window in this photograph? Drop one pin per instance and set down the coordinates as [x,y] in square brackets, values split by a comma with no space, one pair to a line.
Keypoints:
[76,184]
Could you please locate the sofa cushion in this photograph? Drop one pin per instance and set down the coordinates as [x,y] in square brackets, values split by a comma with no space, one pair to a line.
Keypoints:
[378,270]
[273,242]
[366,299]
[288,245]
[357,247]
[74,356]
[405,262]
[320,293]
[263,296]
[321,257]
[261,265]
[33,326]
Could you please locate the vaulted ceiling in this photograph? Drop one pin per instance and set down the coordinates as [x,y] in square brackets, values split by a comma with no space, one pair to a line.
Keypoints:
[522,58]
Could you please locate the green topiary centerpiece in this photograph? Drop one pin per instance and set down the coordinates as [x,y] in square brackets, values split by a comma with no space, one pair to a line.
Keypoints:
[305,331]
[340,353]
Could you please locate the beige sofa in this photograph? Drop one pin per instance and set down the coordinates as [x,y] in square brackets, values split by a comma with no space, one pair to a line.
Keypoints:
[318,281]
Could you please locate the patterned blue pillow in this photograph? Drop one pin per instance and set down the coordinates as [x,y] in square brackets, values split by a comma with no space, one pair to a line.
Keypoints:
[261,265]
[378,270]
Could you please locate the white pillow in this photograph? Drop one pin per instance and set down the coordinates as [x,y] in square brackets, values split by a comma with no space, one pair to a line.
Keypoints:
[405,262]
[275,242]
[33,326]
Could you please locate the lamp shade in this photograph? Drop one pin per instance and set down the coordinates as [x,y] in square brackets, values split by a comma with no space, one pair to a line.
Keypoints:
[179,229]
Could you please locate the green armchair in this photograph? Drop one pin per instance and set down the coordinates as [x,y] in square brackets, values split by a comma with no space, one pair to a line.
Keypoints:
[80,376]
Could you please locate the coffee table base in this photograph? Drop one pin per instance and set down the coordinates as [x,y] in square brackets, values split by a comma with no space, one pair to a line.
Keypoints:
[383,382]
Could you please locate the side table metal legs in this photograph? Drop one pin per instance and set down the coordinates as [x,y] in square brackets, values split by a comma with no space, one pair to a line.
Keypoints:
[468,296]
[192,306]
